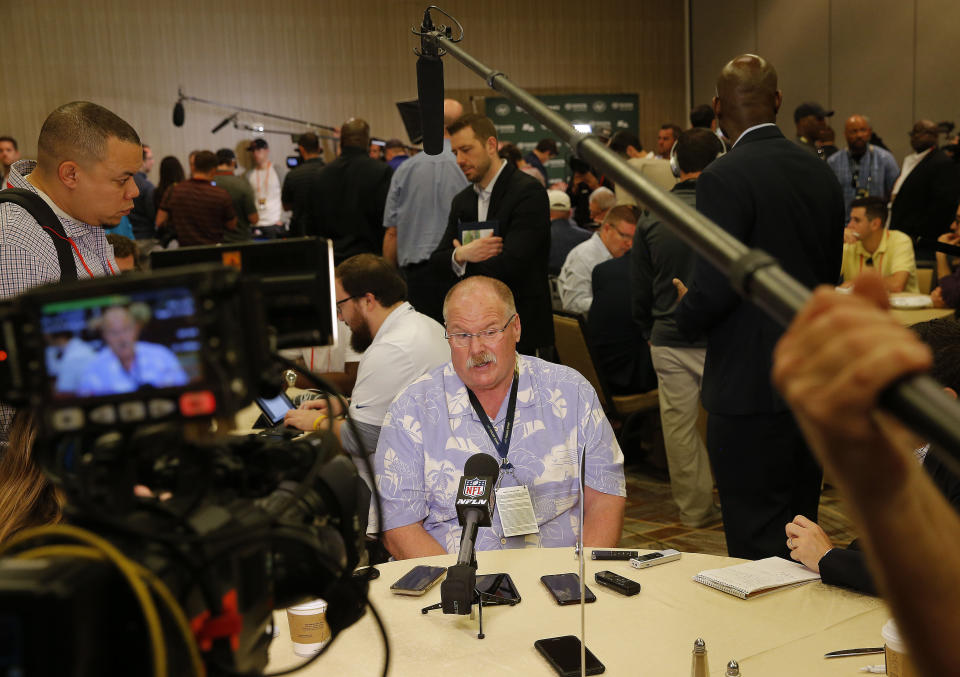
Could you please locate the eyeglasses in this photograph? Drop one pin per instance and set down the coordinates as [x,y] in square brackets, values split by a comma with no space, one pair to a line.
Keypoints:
[624,236]
[340,305]
[488,336]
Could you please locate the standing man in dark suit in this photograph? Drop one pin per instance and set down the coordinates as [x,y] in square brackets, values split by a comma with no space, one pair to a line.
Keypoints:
[772,195]
[514,207]
[349,196]
[297,194]
[927,197]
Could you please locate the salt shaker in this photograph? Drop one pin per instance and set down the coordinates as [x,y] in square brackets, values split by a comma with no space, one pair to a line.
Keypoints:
[699,667]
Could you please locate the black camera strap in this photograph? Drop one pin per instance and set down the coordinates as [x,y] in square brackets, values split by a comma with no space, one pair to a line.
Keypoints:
[501,445]
[45,216]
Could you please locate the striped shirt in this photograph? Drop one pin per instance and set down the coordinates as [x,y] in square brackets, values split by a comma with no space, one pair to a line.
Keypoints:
[28,257]
[199,211]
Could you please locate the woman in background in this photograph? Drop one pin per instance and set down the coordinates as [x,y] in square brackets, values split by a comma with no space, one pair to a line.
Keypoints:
[27,497]
[171,172]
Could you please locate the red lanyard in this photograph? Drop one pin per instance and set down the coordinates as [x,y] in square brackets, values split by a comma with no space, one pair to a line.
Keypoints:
[79,255]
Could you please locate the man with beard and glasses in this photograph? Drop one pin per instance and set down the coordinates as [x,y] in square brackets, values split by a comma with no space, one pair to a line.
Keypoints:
[397,345]
[536,418]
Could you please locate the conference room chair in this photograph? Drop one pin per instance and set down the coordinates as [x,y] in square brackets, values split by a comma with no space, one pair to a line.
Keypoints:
[626,412]
[925,280]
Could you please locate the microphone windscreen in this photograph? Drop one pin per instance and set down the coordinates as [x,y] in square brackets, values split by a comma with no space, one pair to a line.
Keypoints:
[178,114]
[430,95]
[481,465]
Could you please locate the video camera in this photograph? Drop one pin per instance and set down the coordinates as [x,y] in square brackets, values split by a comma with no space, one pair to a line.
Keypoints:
[125,376]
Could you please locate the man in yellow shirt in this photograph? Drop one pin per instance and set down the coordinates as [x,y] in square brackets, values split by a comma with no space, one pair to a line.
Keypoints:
[868,245]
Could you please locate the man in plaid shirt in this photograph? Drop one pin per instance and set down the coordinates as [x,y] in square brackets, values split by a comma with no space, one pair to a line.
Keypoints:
[86,159]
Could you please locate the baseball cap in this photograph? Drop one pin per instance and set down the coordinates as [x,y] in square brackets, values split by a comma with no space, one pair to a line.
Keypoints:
[810,108]
[558,200]
[225,155]
[258,143]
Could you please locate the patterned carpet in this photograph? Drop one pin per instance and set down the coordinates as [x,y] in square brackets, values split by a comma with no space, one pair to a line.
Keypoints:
[652,519]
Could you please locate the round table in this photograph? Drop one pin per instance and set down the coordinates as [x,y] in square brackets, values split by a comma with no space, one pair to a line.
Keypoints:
[783,633]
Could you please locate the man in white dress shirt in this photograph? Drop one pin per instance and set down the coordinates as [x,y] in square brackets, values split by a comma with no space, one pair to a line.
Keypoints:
[611,241]
[397,345]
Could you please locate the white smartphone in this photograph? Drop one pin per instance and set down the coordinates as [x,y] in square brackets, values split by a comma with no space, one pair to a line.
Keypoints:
[654,558]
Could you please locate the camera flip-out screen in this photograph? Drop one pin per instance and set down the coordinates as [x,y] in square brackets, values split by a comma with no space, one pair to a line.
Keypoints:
[121,343]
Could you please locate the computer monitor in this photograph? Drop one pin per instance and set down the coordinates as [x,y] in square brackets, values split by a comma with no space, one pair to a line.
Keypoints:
[412,122]
[296,280]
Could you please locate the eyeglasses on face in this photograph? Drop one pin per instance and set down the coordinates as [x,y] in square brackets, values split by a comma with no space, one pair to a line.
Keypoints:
[488,336]
[341,302]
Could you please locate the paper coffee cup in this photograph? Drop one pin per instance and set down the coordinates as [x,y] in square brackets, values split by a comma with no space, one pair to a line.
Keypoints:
[308,627]
[895,652]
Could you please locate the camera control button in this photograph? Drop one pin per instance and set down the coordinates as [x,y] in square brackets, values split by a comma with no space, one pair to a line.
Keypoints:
[161,408]
[198,403]
[104,415]
[70,418]
[132,411]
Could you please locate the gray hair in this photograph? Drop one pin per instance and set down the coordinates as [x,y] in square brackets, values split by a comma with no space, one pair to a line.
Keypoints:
[498,288]
[603,197]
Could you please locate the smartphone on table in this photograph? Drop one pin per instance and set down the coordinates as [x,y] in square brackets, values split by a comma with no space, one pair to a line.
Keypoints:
[565,588]
[418,580]
[563,654]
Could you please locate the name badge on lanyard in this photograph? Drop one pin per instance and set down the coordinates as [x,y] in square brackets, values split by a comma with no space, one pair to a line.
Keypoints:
[513,503]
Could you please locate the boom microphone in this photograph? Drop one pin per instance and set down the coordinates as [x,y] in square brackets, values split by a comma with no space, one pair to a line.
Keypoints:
[178,113]
[430,91]
[475,504]
[223,123]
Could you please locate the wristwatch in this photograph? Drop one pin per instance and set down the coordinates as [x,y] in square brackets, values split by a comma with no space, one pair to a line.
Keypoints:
[290,376]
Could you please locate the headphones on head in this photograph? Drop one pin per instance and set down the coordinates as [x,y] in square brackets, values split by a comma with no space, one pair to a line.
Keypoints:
[675,162]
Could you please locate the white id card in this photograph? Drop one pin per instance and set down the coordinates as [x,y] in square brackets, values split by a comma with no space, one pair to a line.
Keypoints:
[516,511]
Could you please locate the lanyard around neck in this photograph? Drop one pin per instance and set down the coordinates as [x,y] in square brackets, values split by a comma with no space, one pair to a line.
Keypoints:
[266,180]
[501,445]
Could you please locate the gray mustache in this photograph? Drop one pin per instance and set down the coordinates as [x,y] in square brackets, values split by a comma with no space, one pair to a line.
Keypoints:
[481,359]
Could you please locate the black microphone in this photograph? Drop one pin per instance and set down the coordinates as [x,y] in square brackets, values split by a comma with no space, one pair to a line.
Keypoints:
[475,501]
[178,113]
[223,123]
[430,91]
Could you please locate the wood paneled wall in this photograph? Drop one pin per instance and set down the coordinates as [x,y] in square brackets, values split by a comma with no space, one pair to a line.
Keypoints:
[319,60]
[888,59]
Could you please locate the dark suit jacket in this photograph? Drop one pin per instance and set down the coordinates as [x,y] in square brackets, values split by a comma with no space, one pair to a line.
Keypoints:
[847,567]
[927,200]
[519,203]
[775,196]
[620,351]
[299,196]
[349,195]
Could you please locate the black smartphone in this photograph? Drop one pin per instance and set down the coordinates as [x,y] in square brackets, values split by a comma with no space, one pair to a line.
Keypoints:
[505,588]
[563,653]
[418,580]
[565,588]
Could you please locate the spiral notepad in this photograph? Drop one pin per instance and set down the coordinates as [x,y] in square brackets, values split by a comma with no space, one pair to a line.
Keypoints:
[756,578]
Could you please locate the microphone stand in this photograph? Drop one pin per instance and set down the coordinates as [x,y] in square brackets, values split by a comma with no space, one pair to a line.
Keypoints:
[918,401]
[481,599]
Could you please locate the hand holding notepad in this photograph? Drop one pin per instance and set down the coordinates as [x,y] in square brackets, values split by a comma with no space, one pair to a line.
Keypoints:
[751,579]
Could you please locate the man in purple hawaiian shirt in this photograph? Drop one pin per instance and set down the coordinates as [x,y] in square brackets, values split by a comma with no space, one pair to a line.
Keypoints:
[437,422]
